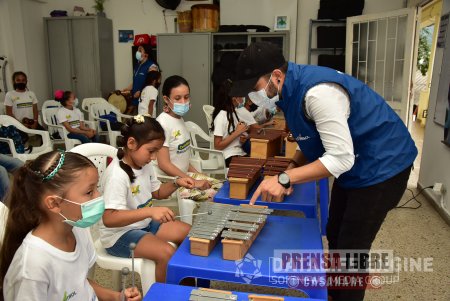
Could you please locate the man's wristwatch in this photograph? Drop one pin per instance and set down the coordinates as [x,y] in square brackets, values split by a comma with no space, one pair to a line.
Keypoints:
[284,180]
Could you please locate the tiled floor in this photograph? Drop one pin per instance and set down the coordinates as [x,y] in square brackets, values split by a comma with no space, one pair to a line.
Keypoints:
[410,233]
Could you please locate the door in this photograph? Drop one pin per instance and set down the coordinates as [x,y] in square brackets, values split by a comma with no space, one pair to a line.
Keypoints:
[59,51]
[379,52]
[85,58]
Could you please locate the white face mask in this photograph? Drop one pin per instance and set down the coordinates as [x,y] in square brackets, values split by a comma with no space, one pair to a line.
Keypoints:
[261,99]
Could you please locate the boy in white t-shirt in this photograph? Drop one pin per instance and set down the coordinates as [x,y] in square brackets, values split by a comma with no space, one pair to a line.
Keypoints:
[149,95]
[22,103]
[72,119]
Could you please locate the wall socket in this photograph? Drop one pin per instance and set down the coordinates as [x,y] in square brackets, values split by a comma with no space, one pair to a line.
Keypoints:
[439,188]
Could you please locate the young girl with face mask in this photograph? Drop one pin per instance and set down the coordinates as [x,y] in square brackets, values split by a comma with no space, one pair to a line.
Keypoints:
[21,103]
[173,158]
[45,253]
[149,95]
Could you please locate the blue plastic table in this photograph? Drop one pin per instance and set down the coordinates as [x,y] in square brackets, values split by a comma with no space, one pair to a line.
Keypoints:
[303,198]
[170,292]
[279,233]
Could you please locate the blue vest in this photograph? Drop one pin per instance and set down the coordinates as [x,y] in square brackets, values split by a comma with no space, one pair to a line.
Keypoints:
[382,144]
[139,77]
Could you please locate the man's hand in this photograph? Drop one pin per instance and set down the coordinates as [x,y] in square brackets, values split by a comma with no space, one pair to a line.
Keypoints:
[270,190]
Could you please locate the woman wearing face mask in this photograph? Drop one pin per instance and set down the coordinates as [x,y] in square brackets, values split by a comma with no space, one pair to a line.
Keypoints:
[146,64]
[22,103]
[173,157]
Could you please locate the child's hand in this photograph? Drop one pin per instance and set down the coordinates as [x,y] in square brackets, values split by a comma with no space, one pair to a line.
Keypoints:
[243,137]
[131,294]
[162,214]
[241,127]
[188,183]
[202,184]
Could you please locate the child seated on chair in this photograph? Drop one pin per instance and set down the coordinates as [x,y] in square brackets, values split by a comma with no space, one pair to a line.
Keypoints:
[72,119]
[130,184]
[173,158]
[46,254]
[231,122]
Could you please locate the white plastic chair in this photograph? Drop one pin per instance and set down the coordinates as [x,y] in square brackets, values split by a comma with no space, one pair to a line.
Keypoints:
[46,146]
[215,163]
[87,102]
[209,110]
[98,109]
[98,153]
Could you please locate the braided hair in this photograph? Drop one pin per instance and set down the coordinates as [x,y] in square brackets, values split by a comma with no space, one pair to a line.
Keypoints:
[32,182]
[143,132]
[225,103]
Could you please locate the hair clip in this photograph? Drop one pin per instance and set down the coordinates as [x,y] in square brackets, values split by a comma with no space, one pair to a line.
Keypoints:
[54,171]
[139,119]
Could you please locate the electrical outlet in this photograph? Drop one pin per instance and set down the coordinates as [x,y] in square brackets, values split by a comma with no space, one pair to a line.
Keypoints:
[438,188]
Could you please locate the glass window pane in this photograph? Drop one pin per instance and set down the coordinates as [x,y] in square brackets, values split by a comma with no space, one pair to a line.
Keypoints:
[400,53]
[362,72]
[373,26]
[355,59]
[398,81]
[356,32]
[392,27]
[389,71]
[371,62]
[379,81]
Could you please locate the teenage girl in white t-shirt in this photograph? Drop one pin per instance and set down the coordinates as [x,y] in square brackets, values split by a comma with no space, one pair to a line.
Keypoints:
[46,254]
[130,184]
[231,123]
[173,158]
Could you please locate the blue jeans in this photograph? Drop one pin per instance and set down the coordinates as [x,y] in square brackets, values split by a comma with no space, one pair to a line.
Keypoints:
[7,165]
[84,139]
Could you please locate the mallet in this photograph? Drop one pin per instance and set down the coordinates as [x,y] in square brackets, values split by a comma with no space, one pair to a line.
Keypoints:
[125,272]
[132,247]
[209,213]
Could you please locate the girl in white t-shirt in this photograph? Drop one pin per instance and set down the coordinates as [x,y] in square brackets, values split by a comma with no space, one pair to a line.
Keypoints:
[149,95]
[46,254]
[231,122]
[130,184]
[173,158]
[72,119]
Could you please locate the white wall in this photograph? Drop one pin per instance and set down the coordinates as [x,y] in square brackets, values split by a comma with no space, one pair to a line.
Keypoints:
[435,155]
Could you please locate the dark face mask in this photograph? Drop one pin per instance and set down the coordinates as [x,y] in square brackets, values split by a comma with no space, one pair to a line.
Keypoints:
[19,86]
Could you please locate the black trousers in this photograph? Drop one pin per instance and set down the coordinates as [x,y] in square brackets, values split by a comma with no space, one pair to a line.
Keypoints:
[356,215]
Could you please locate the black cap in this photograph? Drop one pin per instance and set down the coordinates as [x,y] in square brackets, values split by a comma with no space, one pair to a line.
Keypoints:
[258,59]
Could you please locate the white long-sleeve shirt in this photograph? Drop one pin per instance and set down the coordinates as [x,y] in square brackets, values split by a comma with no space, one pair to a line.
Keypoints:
[328,105]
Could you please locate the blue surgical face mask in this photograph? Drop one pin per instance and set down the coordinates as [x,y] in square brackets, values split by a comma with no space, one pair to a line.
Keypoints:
[138,55]
[261,99]
[180,108]
[91,212]
[241,104]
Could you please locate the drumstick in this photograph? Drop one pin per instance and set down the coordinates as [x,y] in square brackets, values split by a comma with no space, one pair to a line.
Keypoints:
[132,247]
[125,272]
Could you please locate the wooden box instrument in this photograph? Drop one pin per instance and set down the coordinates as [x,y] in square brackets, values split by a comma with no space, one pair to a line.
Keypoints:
[243,173]
[265,143]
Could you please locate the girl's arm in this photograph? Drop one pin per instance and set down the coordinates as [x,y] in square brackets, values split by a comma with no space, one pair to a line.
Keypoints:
[166,165]
[166,189]
[150,107]
[9,111]
[220,143]
[83,127]
[113,218]
[104,294]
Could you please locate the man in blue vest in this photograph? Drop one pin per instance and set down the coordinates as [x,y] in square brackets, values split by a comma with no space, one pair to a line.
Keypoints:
[343,129]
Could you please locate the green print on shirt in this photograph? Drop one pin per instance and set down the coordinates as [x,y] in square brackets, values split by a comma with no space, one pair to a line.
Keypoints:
[67,297]
[183,146]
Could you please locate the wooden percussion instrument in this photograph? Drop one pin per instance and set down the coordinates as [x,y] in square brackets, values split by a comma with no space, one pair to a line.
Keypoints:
[243,173]
[237,225]
[265,143]
[205,18]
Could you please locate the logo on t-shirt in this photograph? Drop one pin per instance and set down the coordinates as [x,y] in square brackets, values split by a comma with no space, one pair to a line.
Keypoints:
[149,203]
[176,134]
[24,105]
[68,116]
[68,297]
[183,147]
[135,190]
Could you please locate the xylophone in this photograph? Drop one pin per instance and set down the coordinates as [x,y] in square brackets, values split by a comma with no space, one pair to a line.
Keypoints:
[237,225]
[243,173]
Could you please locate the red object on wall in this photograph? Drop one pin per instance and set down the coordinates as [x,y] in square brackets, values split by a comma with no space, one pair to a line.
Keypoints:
[153,40]
[141,39]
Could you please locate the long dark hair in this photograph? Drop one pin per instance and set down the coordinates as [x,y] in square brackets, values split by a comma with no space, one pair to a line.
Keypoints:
[225,103]
[65,98]
[28,190]
[143,133]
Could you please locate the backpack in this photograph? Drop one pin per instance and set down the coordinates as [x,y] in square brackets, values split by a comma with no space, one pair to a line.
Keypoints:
[11,132]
